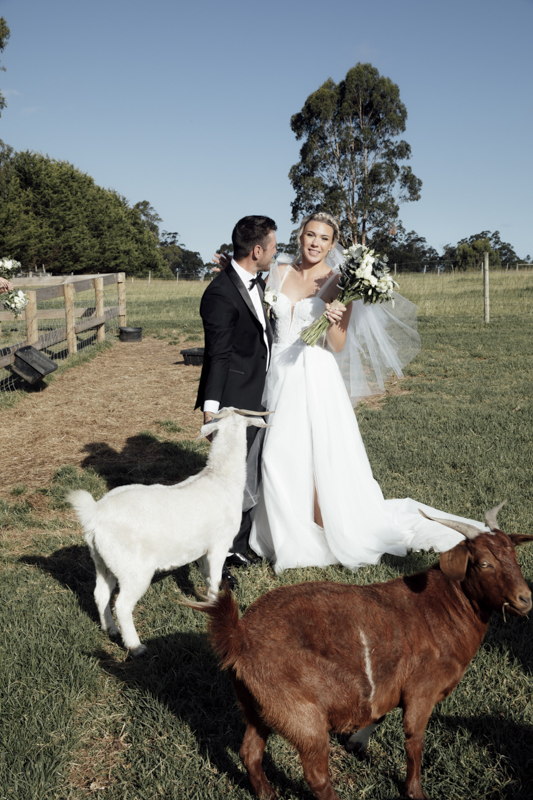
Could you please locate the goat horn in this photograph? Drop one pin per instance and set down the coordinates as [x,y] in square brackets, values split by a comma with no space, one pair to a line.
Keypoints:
[491,515]
[220,414]
[462,527]
[243,412]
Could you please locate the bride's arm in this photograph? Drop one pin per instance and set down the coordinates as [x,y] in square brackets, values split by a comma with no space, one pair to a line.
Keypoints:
[338,318]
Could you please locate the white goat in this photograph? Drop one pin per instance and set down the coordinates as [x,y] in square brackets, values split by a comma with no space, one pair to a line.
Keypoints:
[135,531]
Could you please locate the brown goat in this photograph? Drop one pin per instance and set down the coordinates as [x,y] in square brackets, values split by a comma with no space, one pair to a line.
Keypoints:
[318,657]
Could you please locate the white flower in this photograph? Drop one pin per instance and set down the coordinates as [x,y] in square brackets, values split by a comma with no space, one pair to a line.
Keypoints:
[269,297]
[8,266]
[356,250]
[14,301]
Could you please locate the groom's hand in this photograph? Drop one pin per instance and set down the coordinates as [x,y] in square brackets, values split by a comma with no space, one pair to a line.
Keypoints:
[223,261]
[207,418]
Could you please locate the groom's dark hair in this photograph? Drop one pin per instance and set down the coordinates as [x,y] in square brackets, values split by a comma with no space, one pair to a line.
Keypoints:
[248,232]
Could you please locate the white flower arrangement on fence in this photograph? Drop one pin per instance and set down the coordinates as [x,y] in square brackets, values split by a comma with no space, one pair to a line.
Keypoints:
[363,275]
[13,300]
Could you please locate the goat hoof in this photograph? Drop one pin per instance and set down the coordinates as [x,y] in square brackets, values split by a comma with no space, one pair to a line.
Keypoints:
[356,748]
[138,651]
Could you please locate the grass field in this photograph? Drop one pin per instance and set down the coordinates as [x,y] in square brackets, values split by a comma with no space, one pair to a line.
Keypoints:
[81,719]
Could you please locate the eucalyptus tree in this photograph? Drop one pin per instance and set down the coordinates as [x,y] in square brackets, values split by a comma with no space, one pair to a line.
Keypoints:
[350,159]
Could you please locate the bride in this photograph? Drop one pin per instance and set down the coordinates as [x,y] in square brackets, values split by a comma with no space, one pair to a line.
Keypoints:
[319,503]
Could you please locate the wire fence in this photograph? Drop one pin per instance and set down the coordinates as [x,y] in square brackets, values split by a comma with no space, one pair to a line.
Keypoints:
[63,316]
[437,266]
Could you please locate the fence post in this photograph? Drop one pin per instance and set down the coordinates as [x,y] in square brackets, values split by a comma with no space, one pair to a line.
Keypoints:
[68,294]
[99,304]
[121,287]
[486,316]
[395,269]
[32,323]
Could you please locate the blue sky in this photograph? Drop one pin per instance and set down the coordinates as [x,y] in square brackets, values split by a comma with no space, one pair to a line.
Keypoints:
[188,105]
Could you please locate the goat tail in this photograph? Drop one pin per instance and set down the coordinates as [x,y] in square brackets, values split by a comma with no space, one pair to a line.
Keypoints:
[224,627]
[84,505]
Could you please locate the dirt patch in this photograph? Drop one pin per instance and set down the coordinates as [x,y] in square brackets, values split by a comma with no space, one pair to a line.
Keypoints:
[121,393]
[96,413]
[395,387]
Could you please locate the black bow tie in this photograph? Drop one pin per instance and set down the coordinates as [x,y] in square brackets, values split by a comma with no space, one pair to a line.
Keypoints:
[253,283]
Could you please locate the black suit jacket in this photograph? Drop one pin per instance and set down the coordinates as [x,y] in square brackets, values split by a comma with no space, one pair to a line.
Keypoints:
[235,356]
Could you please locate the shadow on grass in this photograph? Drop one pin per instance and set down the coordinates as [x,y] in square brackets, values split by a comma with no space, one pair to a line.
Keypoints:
[504,739]
[73,568]
[145,459]
[182,672]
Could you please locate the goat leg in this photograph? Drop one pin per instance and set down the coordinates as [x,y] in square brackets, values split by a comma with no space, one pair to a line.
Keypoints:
[315,759]
[254,742]
[415,719]
[105,584]
[128,596]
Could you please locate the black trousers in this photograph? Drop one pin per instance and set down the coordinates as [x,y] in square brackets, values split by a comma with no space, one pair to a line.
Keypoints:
[240,543]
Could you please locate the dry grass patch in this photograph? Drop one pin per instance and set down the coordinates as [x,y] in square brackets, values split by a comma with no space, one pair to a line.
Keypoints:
[98,406]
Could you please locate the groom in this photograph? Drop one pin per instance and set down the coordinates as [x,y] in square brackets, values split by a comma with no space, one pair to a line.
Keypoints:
[238,340]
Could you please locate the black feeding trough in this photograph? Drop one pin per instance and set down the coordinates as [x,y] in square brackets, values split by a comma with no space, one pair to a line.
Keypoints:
[32,365]
[194,356]
[130,334]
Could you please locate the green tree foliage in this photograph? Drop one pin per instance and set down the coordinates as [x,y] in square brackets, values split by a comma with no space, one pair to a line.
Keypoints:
[468,253]
[210,265]
[54,215]
[149,216]
[292,247]
[471,254]
[505,250]
[186,263]
[192,267]
[171,250]
[350,159]
[4,36]
[409,251]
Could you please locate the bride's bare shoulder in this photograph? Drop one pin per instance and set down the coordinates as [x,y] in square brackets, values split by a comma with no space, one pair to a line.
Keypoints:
[330,290]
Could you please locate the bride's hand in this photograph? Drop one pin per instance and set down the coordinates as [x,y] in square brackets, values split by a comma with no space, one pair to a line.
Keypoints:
[335,312]
[223,261]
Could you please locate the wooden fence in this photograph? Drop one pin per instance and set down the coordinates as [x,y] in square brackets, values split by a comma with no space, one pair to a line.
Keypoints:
[66,287]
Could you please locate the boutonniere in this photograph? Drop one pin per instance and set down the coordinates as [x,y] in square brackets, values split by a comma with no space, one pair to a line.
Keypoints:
[269,298]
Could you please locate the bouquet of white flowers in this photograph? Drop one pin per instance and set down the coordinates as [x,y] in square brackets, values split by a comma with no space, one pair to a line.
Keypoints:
[363,275]
[15,300]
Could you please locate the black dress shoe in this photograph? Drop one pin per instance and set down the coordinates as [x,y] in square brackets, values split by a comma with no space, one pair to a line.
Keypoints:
[231,579]
[240,560]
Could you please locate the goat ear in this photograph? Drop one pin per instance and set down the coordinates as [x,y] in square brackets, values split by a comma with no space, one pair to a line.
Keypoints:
[520,538]
[454,562]
[207,429]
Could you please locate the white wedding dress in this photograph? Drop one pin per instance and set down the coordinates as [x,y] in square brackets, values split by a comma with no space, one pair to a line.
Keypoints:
[315,440]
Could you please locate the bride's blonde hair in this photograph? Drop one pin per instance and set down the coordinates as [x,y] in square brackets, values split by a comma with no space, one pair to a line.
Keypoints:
[327,219]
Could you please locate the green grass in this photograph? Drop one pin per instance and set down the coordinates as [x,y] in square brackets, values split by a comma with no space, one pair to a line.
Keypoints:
[80,719]
[168,309]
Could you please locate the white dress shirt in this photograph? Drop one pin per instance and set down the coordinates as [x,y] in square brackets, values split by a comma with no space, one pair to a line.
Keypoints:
[212,406]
